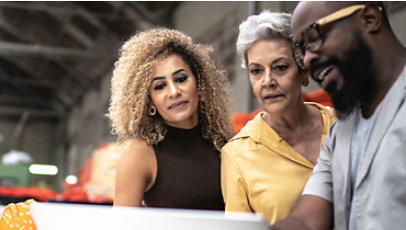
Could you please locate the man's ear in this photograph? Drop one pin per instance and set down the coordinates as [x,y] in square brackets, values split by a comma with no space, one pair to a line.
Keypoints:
[372,18]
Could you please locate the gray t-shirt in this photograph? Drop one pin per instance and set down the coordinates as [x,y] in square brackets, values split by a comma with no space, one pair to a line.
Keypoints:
[359,144]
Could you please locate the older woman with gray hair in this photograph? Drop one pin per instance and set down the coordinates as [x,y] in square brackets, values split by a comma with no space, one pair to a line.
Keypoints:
[266,165]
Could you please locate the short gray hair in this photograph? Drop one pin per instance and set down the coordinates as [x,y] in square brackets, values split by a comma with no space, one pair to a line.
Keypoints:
[262,26]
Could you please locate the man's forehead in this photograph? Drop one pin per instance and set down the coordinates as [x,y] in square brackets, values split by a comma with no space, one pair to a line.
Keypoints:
[306,13]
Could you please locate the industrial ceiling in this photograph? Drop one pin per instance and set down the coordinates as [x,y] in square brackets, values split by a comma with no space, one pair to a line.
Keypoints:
[51,53]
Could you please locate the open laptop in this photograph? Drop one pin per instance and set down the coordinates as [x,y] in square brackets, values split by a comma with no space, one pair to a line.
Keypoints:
[52,216]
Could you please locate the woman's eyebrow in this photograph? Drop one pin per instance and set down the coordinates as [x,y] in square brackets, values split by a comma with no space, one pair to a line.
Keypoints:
[253,64]
[158,78]
[177,71]
[163,77]
[280,59]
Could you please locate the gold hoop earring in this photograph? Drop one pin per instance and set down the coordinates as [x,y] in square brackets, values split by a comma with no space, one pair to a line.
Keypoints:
[152,110]
[305,82]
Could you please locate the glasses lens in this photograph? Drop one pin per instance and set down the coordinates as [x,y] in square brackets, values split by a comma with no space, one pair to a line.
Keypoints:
[298,52]
[314,46]
[312,39]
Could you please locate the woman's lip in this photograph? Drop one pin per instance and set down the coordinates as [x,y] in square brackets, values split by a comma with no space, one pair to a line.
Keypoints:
[177,105]
[272,96]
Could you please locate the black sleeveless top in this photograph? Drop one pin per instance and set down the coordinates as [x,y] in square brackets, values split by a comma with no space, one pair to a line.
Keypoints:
[188,172]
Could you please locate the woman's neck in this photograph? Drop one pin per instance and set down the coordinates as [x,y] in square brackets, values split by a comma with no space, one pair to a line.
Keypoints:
[294,122]
[288,120]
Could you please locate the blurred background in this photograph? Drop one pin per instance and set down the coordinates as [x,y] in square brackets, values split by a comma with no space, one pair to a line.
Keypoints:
[56,60]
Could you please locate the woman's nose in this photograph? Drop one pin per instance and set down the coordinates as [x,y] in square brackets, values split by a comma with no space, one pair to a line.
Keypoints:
[268,81]
[174,90]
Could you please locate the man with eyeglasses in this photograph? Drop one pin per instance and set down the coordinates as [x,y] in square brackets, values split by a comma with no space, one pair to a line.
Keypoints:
[359,181]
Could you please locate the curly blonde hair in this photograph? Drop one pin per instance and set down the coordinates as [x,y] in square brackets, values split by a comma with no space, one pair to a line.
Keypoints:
[130,100]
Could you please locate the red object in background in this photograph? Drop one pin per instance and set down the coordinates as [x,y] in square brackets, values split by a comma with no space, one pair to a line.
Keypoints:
[238,120]
[73,194]
[40,194]
[320,96]
[77,192]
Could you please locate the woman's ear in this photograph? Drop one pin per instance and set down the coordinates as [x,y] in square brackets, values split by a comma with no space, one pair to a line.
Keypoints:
[305,82]
[304,72]
[305,76]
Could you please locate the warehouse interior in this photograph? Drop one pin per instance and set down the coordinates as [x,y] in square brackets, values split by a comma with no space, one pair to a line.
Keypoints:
[56,60]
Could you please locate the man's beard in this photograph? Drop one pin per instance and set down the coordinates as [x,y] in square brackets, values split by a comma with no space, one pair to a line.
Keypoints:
[355,71]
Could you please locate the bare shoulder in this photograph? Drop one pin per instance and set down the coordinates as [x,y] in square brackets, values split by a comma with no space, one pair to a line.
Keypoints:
[138,153]
[138,160]
[137,145]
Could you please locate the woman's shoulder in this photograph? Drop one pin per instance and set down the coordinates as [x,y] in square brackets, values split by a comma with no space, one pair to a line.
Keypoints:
[137,157]
[137,148]
[244,141]
[327,111]
[136,172]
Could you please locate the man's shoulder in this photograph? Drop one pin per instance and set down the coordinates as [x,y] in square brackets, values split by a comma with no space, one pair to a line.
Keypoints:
[347,121]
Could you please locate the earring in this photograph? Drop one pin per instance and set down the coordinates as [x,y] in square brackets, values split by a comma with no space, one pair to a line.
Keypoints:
[305,82]
[152,110]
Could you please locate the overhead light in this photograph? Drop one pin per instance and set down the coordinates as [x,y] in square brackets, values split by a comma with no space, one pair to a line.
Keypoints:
[71,179]
[42,169]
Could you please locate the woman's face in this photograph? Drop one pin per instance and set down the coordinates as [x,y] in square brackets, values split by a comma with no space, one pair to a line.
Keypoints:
[274,75]
[174,92]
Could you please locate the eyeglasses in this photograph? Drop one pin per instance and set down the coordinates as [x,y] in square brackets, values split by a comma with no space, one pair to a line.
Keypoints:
[312,39]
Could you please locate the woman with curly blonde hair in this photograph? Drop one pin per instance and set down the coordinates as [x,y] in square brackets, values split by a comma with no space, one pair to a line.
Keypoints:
[170,109]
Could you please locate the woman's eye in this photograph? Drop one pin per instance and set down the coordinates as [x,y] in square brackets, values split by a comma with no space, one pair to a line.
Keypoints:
[181,78]
[281,67]
[159,86]
[255,71]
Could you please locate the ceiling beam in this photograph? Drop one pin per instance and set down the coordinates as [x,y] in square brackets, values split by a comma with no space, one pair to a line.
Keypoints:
[43,83]
[26,101]
[38,78]
[32,96]
[72,73]
[62,15]
[38,7]
[137,19]
[148,15]
[74,32]
[44,51]
[57,10]
[8,110]
[90,18]
[14,99]
[78,34]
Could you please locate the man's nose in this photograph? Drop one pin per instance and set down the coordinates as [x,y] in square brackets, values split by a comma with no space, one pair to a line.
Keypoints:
[309,58]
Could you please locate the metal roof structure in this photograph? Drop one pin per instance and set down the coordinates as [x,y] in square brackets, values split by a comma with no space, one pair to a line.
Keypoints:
[51,53]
